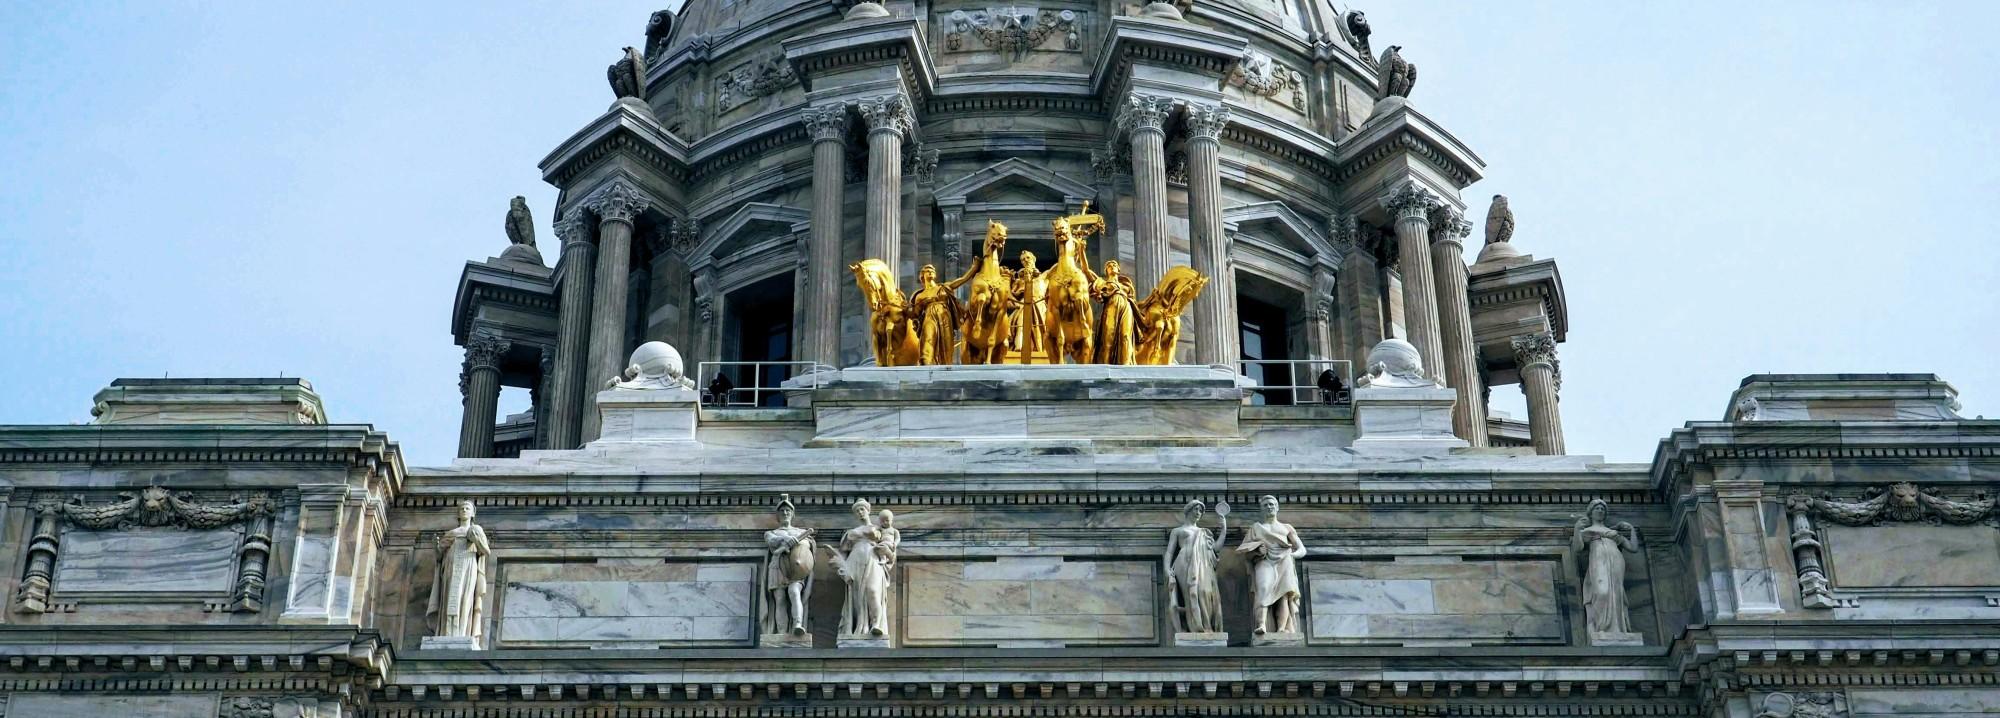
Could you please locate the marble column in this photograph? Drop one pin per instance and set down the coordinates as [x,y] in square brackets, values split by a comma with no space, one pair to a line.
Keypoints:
[1461,357]
[1144,120]
[1360,286]
[1411,207]
[1541,381]
[1216,333]
[617,205]
[889,123]
[479,383]
[573,291]
[828,127]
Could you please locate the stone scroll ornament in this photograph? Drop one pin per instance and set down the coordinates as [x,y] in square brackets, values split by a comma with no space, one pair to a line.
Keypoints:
[152,507]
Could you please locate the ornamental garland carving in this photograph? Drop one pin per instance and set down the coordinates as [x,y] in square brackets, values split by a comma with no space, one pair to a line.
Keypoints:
[753,80]
[152,507]
[1014,30]
[1258,74]
[1900,502]
[156,506]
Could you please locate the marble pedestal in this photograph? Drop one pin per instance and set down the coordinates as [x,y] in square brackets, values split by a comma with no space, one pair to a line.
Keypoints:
[862,642]
[785,640]
[1216,639]
[1278,639]
[1404,419]
[1063,404]
[1616,639]
[647,416]
[450,643]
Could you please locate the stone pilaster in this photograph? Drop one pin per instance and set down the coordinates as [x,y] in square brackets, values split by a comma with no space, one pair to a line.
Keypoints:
[1461,357]
[616,205]
[479,380]
[889,124]
[828,127]
[1411,207]
[1360,288]
[1216,332]
[1541,381]
[315,553]
[1144,120]
[1322,340]
[566,394]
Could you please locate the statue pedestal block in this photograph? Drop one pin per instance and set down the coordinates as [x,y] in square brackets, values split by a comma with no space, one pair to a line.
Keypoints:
[647,415]
[862,642]
[449,643]
[1201,639]
[785,640]
[1404,419]
[1061,405]
[1278,639]
[1616,639]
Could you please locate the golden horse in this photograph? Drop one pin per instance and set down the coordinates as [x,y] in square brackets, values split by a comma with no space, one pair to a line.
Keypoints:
[986,325]
[1069,324]
[1160,314]
[889,323]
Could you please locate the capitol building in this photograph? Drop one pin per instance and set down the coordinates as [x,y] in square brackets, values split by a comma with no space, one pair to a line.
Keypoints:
[969,360]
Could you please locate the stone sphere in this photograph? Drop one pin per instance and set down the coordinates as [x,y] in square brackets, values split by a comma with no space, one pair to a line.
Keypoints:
[657,359]
[1398,357]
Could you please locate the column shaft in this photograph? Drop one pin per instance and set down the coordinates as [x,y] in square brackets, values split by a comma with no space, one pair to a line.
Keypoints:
[1411,206]
[1217,335]
[482,400]
[828,126]
[1541,382]
[565,401]
[1144,120]
[888,121]
[1461,358]
[607,314]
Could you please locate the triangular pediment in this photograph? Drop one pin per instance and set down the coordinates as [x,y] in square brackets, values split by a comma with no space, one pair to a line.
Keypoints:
[1014,180]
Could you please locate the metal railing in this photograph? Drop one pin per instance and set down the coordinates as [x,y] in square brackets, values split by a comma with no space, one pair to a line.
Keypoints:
[1286,382]
[753,383]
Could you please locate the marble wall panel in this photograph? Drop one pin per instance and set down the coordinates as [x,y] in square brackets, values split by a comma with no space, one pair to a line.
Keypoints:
[1440,600]
[71,705]
[1913,556]
[625,604]
[1932,702]
[147,560]
[1016,601]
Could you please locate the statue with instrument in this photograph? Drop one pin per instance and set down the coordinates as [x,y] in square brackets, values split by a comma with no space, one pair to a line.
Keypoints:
[936,312]
[986,320]
[788,568]
[890,326]
[1070,321]
[1160,314]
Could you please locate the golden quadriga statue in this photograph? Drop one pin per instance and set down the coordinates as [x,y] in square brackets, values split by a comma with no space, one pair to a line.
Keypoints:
[1032,313]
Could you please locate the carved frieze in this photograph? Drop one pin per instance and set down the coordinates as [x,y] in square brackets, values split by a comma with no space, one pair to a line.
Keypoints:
[139,513]
[753,80]
[1258,74]
[1014,30]
[1900,502]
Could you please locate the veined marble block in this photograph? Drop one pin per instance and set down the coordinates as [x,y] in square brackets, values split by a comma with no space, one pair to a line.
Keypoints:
[1400,419]
[147,560]
[655,415]
[626,605]
[1029,602]
[1170,405]
[75,705]
[1434,601]
[1906,556]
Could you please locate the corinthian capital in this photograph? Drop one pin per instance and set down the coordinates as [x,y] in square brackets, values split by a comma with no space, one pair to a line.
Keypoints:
[887,113]
[1144,112]
[826,123]
[1538,348]
[573,228]
[1206,121]
[1410,201]
[617,201]
[1448,224]
[483,351]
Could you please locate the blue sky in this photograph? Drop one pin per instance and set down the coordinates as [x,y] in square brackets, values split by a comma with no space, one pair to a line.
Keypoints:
[248,189]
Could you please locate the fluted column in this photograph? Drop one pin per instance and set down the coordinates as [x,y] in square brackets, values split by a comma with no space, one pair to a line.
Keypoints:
[578,265]
[1541,381]
[616,205]
[1216,333]
[1461,357]
[479,384]
[1411,206]
[1144,121]
[889,123]
[828,127]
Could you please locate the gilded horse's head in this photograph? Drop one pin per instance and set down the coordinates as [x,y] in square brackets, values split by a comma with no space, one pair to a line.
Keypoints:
[996,237]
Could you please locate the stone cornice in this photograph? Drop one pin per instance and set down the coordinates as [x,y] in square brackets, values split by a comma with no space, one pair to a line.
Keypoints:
[179,445]
[626,130]
[1403,130]
[1892,443]
[865,42]
[1133,39]
[1516,282]
[511,283]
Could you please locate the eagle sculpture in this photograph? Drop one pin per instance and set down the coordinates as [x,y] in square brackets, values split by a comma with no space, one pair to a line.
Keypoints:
[520,224]
[628,75]
[1397,76]
[1499,221]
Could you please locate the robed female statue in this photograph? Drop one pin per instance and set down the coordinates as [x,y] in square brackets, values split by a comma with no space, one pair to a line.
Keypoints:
[1601,549]
[867,553]
[1194,603]
[458,585]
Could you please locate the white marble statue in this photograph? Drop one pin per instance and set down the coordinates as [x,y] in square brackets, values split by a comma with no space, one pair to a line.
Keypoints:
[654,365]
[788,569]
[458,586]
[867,554]
[1194,603]
[1601,548]
[1274,548]
[1395,364]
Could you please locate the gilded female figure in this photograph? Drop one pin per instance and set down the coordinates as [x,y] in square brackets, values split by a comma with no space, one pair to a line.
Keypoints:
[1194,604]
[1031,310]
[1115,331]
[867,551]
[458,585]
[1601,549]
[788,568]
[1274,549]
[937,313]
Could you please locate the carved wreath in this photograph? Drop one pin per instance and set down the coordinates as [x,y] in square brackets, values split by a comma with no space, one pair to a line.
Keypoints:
[156,506]
[1013,29]
[1902,501]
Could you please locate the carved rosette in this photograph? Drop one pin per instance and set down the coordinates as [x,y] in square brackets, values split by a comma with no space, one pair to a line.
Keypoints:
[618,201]
[1539,348]
[1145,113]
[1411,201]
[826,123]
[1260,75]
[152,507]
[887,113]
[1449,225]
[1207,121]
